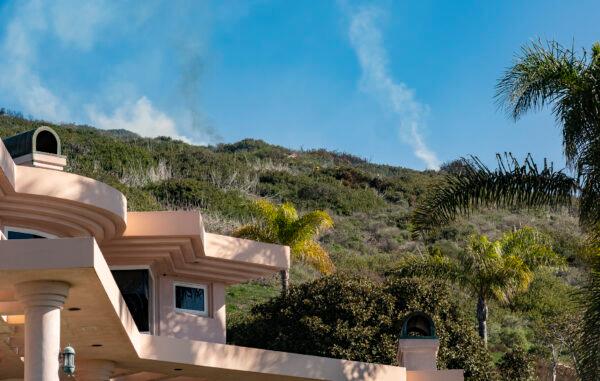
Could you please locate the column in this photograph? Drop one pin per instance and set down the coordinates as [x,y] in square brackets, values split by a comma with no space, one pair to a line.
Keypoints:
[42,301]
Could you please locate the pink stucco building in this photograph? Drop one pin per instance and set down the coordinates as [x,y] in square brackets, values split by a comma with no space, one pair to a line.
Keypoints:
[139,295]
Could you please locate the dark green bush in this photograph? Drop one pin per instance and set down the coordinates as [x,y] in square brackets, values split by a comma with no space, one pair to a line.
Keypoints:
[316,191]
[516,365]
[359,319]
[191,194]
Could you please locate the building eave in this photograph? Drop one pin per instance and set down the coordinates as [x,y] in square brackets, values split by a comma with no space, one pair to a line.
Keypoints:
[103,318]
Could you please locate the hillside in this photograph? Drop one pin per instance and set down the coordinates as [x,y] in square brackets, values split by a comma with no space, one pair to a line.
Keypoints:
[370,203]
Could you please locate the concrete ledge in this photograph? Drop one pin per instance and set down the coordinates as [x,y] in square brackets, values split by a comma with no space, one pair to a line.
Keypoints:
[435,375]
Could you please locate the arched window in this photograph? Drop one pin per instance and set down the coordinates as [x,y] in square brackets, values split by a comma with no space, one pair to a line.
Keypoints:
[20,233]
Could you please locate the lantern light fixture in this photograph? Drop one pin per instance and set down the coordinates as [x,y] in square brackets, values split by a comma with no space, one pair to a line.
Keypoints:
[68,360]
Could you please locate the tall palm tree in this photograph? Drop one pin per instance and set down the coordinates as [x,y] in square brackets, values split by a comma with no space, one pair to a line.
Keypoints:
[489,270]
[550,74]
[543,75]
[281,224]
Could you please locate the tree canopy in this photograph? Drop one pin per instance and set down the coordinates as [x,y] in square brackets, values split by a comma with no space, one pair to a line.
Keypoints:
[360,319]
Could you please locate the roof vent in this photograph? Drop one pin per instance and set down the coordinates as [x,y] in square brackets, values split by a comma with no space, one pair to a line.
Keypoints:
[36,148]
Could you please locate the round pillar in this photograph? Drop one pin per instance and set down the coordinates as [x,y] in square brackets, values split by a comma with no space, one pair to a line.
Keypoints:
[42,301]
[93,370]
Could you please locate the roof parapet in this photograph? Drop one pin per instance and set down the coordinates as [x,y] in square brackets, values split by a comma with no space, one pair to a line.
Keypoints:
[40,148]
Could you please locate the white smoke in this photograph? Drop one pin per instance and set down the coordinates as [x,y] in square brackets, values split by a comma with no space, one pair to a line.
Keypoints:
[139,117]
[366,40]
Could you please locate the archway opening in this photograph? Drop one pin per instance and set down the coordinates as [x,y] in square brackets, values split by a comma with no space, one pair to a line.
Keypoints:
[46,142]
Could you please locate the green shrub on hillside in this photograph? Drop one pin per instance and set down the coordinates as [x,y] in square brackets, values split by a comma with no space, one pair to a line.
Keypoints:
[317,191]
[195,194]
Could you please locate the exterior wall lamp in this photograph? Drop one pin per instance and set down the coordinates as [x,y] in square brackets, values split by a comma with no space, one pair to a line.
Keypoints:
[68,360]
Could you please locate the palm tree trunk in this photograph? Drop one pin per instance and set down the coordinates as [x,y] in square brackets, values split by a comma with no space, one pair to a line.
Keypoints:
[554,362]
[285,281]
[482,313]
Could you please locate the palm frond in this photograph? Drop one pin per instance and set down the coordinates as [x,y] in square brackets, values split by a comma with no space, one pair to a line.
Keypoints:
[531,246]
[589,338]
[254,232]
[281,224]
[541,74]
[513,184]
[265,211]
[315,255]
[311,225]
[433,266]
[589,173]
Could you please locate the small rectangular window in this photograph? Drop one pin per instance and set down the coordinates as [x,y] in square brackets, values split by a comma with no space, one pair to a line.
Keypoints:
[191,298]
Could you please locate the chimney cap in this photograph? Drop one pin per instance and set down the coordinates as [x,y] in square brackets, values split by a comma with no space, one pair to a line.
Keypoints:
[39,140]
[39,147]
[418,325]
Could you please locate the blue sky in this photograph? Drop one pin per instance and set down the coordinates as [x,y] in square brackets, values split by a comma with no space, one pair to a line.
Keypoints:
[407,83]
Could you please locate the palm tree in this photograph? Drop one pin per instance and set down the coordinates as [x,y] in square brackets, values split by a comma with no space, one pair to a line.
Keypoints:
[474,186]
[553,75]
[542,75]
[281,224]
[489,270]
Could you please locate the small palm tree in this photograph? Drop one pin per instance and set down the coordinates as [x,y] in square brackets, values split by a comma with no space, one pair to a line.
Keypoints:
[281,224]
[489,270]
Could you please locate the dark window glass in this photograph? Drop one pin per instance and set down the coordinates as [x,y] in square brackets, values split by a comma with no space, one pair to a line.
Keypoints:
[135,288]
[18,235]
[189,298]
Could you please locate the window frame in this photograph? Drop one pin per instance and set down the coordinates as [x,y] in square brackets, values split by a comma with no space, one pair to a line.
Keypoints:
[199,286]
[152,298]
[42,234]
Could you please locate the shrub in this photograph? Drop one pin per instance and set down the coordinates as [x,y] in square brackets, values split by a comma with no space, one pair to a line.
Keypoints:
[316,191]
[516,365]
[190,193]
[359,319]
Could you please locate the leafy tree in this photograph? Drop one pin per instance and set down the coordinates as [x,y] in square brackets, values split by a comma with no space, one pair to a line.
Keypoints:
[516,365]
[553,316]
[489,270]
[281,224]
[359,319]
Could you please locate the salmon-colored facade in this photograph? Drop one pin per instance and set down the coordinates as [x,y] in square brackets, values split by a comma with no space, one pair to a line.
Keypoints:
[76,286]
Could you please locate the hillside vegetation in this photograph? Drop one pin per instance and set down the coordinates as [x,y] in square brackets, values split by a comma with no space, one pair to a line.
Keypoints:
[370,203]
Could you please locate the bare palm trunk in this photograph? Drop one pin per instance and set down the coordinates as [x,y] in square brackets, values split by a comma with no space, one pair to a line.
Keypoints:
[554,361]
[482,314]
[285,281]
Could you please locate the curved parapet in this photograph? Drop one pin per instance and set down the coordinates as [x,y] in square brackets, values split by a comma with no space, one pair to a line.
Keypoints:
[59,203]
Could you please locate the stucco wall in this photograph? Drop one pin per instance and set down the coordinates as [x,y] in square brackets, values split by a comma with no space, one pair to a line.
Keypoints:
[183,325]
